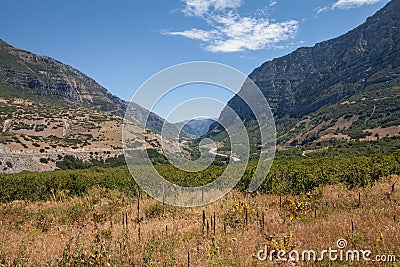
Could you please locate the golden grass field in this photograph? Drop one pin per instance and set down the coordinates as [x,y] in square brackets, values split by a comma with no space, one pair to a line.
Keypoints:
[105,228]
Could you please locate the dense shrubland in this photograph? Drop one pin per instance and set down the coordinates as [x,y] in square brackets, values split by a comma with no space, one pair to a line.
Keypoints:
[286,176]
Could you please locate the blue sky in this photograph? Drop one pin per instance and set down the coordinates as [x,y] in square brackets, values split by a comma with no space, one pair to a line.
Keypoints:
[122,43]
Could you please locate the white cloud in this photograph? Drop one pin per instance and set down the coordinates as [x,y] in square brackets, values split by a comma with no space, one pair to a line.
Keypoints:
[231,32]
[237,33]
[202,7]
[322,9]
[347,4]
[195,34]
[272,3]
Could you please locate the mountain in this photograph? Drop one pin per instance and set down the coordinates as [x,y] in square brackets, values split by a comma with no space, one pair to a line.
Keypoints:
[343,89]
[41,78]
[196,127]
[31,76]
[49,110]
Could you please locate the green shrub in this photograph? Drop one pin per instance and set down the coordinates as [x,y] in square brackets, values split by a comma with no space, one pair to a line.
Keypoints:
[285,176]
[44,160]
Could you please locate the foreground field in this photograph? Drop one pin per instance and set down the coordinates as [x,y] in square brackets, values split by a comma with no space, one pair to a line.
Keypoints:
[108,228]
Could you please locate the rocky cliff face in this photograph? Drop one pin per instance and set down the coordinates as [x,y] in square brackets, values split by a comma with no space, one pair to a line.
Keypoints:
[361,65]
[40,78]
[312,77]
[44,77]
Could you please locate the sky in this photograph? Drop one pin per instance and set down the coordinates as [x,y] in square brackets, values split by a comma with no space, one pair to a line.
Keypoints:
[123,43]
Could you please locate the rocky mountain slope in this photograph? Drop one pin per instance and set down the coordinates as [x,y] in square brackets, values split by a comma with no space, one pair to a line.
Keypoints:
[35,136]
[49,110]
[195,127]
[346,88]
[41,78]
[36,77]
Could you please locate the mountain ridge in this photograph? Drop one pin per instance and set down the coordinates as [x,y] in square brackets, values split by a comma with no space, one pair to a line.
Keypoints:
[48,77]
[360,69]
[196,127]
[49,110]
[30,76]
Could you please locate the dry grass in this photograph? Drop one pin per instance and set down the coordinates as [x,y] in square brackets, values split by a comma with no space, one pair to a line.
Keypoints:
[93,230]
